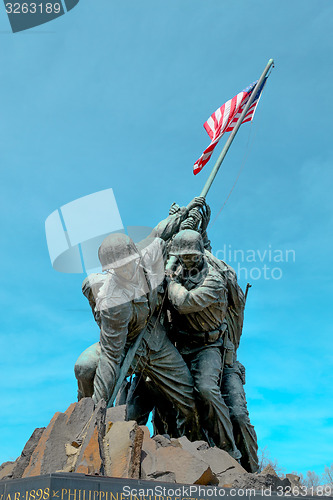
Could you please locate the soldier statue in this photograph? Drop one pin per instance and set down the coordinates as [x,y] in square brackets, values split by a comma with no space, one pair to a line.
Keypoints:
[207,310]
[125,301]
[199,306]
[198,298]
[198,336]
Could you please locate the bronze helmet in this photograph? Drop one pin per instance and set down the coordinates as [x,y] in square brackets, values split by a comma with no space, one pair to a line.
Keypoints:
[116,250]
[187,242]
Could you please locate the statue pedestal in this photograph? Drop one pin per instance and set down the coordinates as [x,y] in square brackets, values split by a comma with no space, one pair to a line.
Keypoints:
[72,486]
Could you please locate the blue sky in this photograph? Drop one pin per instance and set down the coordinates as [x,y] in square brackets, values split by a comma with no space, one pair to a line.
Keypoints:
[114,94]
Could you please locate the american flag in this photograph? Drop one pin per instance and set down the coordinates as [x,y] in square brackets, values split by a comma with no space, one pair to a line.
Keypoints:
[225,118]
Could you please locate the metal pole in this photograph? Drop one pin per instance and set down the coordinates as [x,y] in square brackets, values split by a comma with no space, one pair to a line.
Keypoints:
[227,145]
[248,286]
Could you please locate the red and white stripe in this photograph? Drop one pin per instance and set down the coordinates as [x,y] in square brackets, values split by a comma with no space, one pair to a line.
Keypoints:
[224,120]
[248,117]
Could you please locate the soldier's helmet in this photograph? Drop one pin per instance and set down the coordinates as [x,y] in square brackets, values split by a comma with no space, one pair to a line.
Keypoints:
[117,250]
[187,242]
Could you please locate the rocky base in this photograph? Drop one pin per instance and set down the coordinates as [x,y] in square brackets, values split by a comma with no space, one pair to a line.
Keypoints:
[99,441]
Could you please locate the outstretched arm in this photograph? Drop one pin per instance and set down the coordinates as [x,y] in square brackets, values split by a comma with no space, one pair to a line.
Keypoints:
[187,301]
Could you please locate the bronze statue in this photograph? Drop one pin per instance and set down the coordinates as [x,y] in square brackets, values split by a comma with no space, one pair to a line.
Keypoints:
[232,314]
[198,296]
[127,302]
[200,310]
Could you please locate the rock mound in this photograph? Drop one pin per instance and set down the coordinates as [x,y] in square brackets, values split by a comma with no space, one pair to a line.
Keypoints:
[95,440]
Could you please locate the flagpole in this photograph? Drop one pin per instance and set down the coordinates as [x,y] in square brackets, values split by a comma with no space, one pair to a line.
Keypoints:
[227,145]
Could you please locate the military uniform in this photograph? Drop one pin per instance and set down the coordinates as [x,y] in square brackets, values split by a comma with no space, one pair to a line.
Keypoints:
[233,393]
[199,304]
[124,309]
[233,379]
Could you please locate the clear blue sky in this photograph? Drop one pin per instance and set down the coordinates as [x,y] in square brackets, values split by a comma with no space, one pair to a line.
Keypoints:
[114,94]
